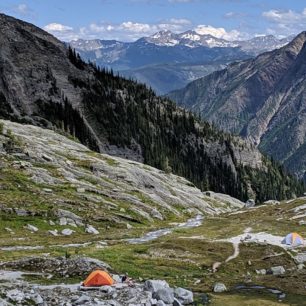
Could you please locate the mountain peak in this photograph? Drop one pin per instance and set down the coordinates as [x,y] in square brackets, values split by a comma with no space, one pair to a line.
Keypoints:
[163,38]
[297,44]
[162,33]
[191,35]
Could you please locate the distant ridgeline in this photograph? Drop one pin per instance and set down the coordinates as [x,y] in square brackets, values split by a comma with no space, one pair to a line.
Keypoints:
[124,118]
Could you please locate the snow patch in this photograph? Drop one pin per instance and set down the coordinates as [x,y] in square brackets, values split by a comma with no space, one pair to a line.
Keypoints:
[259,238]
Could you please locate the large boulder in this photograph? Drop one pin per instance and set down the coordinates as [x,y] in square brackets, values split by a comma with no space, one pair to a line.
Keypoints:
[67,232]
[219,287]
[183,295]
[278,270]
[164,294]
[154,285]
[91,230]
[31,228]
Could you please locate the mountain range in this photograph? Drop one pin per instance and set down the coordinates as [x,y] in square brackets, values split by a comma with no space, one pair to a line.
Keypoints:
[167,61]
[45,83]
[262,99]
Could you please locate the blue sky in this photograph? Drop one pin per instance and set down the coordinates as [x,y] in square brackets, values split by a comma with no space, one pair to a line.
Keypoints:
[128,20]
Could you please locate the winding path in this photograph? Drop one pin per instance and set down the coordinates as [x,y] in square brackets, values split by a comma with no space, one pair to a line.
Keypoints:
[236,253]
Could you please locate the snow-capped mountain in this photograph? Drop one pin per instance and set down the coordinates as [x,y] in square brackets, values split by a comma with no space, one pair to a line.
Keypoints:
[110,51]
[163,54]
[190,39]
[164,38]
[193,39]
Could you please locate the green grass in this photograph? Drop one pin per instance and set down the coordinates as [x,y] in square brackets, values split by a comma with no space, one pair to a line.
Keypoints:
[177,258]
[110,161]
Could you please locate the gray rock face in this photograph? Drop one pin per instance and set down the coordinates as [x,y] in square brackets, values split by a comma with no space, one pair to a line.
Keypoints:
[266,96]
[111,178]
[12,27]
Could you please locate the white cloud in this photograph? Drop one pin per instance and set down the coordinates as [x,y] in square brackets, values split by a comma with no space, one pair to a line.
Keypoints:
[135,27]
[62,32]
[125,31]
[284,22]
[57,27]
[95,28]
[219,32]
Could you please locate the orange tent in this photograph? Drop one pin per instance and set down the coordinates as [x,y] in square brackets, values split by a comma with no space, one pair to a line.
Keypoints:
[98,278]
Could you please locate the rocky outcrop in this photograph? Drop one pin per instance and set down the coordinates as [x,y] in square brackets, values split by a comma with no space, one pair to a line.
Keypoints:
[119,186]
[261,99]
[16,290]
[57,267]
